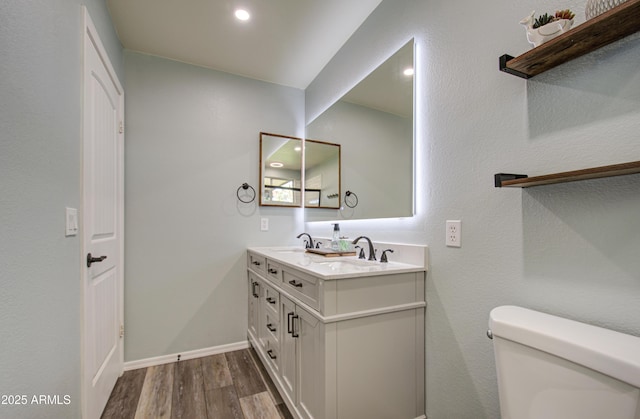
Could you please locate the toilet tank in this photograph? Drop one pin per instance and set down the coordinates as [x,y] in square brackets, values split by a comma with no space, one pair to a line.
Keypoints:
[550,367]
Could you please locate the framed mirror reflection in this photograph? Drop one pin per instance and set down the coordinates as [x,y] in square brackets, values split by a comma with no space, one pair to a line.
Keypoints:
[280,170]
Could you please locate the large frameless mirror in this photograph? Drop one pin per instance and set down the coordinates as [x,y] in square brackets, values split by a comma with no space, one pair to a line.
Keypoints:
[280,170]
[373,123]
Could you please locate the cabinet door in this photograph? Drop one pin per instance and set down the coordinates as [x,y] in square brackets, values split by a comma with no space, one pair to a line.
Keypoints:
[288,348]
[255,290]
[310,363]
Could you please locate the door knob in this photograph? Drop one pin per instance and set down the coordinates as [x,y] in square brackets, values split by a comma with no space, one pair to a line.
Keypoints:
[91,259]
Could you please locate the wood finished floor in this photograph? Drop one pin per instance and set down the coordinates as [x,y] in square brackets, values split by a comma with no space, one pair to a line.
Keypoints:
[233,385]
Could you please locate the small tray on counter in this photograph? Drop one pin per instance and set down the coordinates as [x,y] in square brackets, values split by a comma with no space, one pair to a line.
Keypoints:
[332,253]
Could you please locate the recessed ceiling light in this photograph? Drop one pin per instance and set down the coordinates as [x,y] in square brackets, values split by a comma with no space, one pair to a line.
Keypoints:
[276,164]
[408,72]
[242,14]
[298,148]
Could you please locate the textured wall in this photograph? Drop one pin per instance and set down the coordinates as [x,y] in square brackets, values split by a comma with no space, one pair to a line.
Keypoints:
[568,249]
[40,126]
[192,140]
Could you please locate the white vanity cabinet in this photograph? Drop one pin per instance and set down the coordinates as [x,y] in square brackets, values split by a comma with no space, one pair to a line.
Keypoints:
[344,346]
[302,359]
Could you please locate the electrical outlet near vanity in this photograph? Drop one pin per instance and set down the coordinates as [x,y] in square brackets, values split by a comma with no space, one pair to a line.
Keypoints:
[342,338]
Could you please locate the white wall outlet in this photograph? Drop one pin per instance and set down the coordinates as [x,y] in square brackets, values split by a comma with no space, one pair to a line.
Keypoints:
[454,233]
[264,224]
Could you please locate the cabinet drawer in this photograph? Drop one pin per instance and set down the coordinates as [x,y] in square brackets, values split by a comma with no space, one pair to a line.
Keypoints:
[274,271]
[257,263]
[272,351]
[271,299]
[271,324]
[303,286]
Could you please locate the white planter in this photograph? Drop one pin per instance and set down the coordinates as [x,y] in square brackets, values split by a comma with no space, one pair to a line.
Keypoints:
[539,36]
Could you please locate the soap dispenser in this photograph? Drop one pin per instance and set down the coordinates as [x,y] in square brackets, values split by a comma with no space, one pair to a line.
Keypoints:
[335,241]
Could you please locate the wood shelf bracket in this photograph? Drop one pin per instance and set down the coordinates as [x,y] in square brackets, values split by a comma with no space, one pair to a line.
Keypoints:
[503,67]
[498,178]
[502,180]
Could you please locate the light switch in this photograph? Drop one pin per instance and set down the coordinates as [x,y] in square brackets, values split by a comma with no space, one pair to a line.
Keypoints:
[72,222]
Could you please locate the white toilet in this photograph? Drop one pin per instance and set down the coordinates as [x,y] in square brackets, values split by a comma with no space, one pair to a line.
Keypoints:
[554,368]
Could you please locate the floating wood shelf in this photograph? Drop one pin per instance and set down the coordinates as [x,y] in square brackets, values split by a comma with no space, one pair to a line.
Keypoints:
[523,181]
[611,26]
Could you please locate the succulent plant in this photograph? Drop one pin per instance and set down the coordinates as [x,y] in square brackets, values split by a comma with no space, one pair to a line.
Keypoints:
[564,14]
[543,20]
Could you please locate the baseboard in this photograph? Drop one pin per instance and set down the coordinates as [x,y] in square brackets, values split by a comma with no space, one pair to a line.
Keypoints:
[182,356]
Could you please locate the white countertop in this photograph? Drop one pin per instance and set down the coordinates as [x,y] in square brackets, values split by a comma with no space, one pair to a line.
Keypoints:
[333,267]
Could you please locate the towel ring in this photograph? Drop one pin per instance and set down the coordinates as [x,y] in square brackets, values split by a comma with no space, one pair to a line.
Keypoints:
[245,186]
[350,199]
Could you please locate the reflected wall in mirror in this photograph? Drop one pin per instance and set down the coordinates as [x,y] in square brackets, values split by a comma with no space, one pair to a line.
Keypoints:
[321,174]
[280,170]
[373,123]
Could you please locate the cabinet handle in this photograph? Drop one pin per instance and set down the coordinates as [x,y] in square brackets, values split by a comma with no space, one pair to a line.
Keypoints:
[271,355]
[254,286]
[289,322]
[273,271]
[270,327]
[255,262]
[294,334]
[271,300]
[295,284]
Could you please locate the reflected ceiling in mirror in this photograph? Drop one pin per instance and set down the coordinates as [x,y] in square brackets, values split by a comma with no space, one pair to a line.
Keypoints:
[280,170]
[373,123]
[389,88]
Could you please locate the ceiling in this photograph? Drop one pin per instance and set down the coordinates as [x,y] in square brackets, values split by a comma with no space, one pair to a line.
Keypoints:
[287,42]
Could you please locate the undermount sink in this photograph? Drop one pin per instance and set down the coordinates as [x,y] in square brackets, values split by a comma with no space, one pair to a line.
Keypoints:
[358,262]
[353,265]
[289,250]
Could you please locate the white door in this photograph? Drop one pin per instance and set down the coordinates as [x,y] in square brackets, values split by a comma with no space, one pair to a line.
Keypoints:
[102,225]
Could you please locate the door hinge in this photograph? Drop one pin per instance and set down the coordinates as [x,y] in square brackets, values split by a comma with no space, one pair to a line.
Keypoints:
[121,129]
[121,331]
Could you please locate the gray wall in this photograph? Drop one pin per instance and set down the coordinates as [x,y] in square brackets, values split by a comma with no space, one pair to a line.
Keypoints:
[40,126]
[568,249]
[192,139]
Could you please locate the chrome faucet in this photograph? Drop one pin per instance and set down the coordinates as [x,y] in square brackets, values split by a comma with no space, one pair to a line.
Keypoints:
[308,244]
[372,251]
